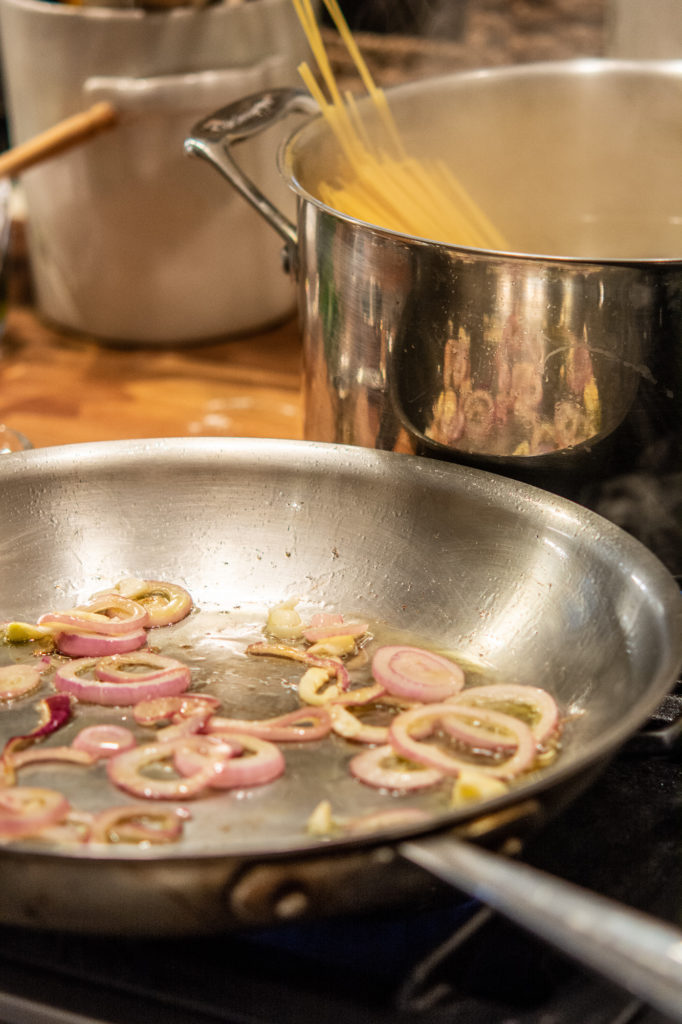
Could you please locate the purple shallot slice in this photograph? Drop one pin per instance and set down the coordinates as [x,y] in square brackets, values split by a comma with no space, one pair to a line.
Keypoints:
[416,673]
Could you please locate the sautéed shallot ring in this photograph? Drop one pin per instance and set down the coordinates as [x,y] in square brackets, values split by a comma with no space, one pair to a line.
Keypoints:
[371,768]
[91,617]
[165,603]
[427,753]
[303,724]
[125,770]
[541,703]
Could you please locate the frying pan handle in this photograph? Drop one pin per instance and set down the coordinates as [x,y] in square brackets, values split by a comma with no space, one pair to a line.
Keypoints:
[214,136]
[638,952]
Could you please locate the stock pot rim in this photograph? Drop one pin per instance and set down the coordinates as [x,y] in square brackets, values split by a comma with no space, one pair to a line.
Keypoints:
[594,67]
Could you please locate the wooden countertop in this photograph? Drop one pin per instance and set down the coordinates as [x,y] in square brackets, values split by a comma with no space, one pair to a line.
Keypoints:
[57,388]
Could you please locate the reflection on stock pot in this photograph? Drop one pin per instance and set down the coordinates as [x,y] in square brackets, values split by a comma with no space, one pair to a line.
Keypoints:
[548,364]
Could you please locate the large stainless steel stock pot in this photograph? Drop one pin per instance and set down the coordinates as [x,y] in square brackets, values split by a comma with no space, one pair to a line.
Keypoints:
[537,359]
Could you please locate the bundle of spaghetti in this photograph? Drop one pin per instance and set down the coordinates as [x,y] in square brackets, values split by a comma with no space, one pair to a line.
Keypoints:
[377,180]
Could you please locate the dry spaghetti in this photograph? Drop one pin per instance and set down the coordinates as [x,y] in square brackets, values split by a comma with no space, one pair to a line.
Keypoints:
[380,182]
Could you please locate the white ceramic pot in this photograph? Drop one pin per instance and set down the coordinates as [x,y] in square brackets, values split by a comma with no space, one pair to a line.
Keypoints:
[129,239]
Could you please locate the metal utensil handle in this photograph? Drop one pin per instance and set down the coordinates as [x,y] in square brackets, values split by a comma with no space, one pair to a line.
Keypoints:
[638,952]
[213,137]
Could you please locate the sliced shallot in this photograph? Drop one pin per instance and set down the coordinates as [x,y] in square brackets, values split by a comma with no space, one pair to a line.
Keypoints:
[362,695]
[382,768]
[346,723]
[165,603]
[433,716]
[315,687]
[115,685]
[137,668]
[321,822]
[258,762]
[79,644]
[333,647]
[55,711]
[173,709]
[25,632]
[105,740]
[346,712]
[416,673]
[325,619]
[27,810]
[314,634]
[138,823]
[543,707]
[470,731]
[109,614]
[40,755]
[333,666]
[188,714]
[126,770]
[303,724]
[478,738]
[18,680]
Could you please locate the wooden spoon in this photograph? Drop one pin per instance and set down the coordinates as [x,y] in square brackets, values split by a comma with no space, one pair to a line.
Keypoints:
[55,140]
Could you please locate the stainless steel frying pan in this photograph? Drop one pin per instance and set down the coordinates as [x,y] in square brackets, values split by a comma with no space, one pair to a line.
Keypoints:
[524,585]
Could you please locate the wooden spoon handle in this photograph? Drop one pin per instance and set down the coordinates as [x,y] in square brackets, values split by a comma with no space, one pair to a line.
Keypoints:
[61,136]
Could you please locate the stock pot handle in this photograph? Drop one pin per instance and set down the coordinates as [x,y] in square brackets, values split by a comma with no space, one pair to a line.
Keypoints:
[213,137]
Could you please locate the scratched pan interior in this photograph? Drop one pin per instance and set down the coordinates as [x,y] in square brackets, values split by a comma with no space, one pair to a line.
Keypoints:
[525,586]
